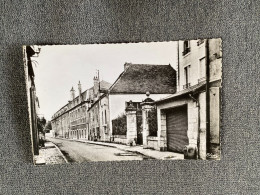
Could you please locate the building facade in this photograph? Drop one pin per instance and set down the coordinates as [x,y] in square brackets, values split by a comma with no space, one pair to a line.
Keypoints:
[80,117]
[33,101]
[190,118]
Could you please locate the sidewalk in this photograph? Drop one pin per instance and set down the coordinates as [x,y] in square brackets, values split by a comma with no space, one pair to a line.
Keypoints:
[161,155]
[50,154]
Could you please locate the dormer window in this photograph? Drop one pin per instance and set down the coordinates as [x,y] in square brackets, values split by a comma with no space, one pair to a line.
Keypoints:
[186,47]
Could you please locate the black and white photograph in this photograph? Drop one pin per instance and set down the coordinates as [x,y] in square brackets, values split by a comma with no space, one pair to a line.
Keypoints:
[124,101]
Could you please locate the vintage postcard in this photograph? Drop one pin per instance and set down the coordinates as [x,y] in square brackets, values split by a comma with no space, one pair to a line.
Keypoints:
[125,101]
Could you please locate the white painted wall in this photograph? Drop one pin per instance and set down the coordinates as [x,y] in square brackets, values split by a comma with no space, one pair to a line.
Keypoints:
[191,59]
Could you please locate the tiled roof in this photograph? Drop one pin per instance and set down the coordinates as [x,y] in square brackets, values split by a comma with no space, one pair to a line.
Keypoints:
[87,95]
[140,78]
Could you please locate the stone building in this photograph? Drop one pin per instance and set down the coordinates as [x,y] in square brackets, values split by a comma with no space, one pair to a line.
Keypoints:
[98,111]
[191,117]
[79,118]
[33,101]
[132,85]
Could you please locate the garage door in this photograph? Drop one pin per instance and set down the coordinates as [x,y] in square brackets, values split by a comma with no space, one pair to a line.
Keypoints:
[177,127]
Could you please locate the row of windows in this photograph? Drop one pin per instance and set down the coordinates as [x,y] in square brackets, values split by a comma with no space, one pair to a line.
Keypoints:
[202,73]
[78,112]
[79,121]
[186,46]
[79,133]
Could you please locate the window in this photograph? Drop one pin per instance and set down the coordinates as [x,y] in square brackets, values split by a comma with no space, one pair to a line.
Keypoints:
[186,77]
[102,118]
[105,117]
[186,47]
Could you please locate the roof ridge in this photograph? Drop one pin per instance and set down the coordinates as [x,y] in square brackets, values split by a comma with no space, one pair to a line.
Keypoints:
[151,64]
[138,72]
[116,81]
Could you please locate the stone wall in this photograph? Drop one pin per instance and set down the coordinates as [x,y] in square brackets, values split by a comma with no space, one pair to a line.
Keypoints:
[131,127]
[152,142]
[193,123]
[121,139]
[202,130]
[214,121]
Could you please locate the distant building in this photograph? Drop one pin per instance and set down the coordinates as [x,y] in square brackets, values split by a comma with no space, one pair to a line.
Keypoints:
[79,118]
[191,116]
[98,111]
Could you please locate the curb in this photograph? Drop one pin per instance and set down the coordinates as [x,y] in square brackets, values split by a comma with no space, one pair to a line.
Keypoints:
[88,142]
[101,144]
[61,153]
[140,153]
[94,143]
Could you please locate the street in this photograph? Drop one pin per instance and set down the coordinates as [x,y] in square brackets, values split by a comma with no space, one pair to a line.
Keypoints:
[79,152]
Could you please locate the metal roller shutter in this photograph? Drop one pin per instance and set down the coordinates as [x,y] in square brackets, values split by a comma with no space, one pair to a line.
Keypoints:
[177,127]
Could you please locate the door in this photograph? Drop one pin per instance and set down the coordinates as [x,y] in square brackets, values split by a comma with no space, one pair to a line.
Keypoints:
[177,127]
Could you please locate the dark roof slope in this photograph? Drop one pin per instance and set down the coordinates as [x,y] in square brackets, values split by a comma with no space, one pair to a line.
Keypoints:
[140,78]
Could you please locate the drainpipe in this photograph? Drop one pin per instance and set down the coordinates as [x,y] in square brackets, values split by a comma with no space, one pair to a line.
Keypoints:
[207,99]
[178,68]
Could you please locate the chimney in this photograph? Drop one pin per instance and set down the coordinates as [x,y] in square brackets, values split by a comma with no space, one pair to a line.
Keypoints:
[126,65]
[72,94]
[96,86]
[79,87]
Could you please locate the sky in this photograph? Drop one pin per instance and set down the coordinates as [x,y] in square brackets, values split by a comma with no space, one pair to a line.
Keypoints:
[58,68]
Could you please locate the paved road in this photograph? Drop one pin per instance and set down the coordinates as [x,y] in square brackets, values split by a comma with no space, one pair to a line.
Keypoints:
[81,152]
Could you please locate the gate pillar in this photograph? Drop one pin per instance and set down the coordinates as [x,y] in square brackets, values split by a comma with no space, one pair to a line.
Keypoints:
[147,105]
[131,123]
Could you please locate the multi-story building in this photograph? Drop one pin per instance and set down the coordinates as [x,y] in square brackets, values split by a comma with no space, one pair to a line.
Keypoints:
[191,117]
[79,118]
[98,111]
[33,102]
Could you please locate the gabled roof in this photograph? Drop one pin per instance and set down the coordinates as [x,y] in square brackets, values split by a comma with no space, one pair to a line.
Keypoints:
[140,78]
[86,95]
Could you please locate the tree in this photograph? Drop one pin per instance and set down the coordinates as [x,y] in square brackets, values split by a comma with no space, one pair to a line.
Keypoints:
[48,126]
[41,122]
[119,125]
[152,122]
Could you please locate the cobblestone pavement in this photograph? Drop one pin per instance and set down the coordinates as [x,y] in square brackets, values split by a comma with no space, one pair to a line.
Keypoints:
[49,154]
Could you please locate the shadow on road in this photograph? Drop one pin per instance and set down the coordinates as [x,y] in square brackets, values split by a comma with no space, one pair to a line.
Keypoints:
[67,156]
